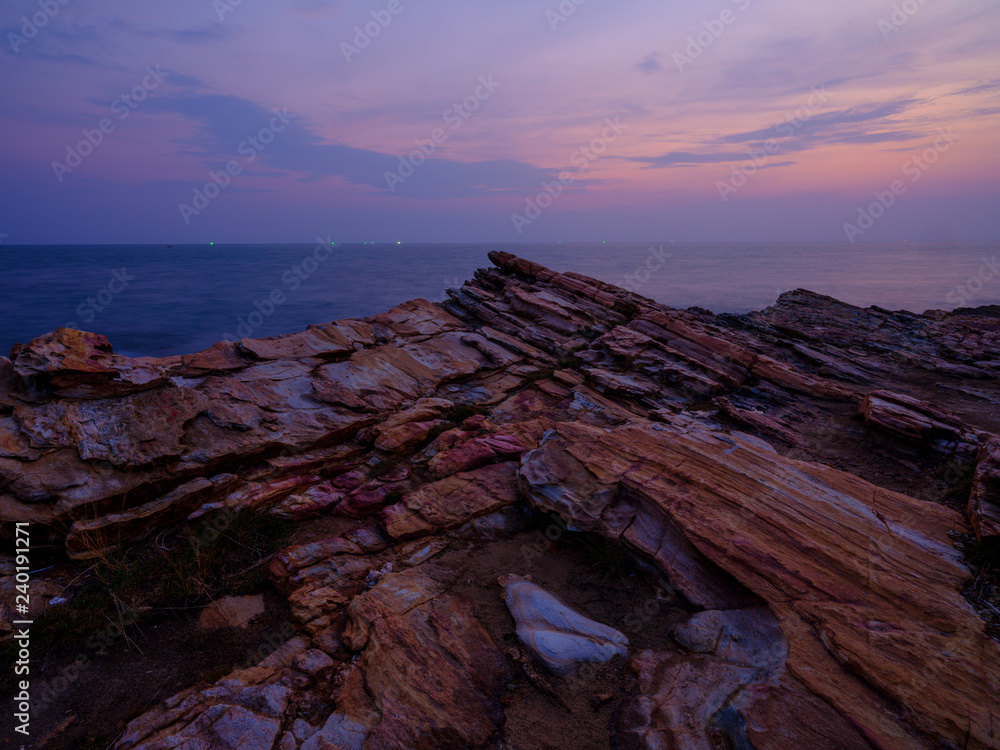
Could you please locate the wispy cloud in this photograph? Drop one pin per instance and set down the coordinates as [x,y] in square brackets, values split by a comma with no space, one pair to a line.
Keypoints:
[206,34]
[650,63]
[224,122]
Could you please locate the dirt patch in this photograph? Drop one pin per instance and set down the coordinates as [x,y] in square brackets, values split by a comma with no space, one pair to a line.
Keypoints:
[83,698]
[625,599]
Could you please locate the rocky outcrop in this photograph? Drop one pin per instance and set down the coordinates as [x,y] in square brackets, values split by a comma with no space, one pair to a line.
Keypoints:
[984,501]
[780,474]
[730,689]
[919,423]
[412,669]
[862,582]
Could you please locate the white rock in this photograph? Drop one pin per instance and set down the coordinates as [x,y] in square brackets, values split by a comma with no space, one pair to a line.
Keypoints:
[555,633]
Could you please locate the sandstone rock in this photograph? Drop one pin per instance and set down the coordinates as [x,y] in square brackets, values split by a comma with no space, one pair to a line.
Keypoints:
[231,612]
[238,712]
[291,560]
[558,635]
[473,453]
[83,365]
[314,342]
[984,500]
[405,436]
[319,591]
[313,661]
[683,700]
[913,420]
[223,356]
[417,317]
[797,381]
[432,671]
[308,503]
[258,496]
[451,502]
[759,421]
[367,500]
[340,732]
[864,582]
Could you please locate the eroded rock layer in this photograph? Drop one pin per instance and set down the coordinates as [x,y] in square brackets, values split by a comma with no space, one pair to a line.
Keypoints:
[799,477]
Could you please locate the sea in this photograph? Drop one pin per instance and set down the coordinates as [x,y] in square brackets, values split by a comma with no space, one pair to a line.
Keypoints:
[157,300]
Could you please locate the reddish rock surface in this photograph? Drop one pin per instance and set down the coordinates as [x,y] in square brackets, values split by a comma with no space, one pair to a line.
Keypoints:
[984,501]
[863,582]
[801,481]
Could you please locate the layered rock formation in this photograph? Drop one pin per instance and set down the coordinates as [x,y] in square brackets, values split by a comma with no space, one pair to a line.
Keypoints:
[798,477]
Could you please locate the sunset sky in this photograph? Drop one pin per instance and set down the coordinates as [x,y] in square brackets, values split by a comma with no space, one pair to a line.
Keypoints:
[634,113]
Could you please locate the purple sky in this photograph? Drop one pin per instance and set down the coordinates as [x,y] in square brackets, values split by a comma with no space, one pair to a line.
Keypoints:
[647,121]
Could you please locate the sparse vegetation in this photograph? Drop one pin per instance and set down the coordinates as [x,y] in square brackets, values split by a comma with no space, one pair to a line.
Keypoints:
[185,567]
[606,560]
[983,592]
[543,373]
[568,363]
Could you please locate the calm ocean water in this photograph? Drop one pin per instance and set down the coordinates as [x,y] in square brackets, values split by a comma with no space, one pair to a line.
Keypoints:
[158,300]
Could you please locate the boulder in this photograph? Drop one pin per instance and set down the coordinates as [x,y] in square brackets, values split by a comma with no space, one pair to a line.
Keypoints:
[76,364]
[559,636]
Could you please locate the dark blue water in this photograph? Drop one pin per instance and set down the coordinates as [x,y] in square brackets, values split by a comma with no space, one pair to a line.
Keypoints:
[155,300]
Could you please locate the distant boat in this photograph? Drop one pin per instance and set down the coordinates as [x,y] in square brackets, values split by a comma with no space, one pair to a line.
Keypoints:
[169,245]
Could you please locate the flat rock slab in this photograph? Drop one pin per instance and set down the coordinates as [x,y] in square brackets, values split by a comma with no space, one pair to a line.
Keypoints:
[231,612]
[558,635]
